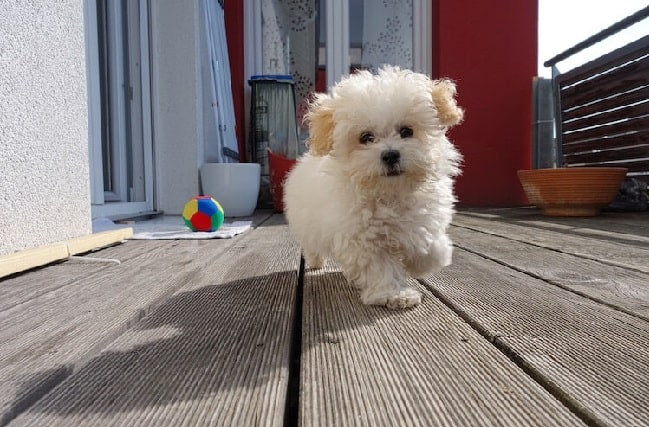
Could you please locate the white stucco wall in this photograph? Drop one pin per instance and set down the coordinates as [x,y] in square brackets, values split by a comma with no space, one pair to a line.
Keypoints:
[44,184]
[177,114]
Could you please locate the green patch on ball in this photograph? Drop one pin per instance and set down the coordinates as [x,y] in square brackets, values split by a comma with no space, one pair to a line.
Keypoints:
[203,213]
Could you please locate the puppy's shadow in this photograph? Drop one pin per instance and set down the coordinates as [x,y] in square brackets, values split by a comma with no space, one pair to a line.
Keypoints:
[333,313]
[196,344]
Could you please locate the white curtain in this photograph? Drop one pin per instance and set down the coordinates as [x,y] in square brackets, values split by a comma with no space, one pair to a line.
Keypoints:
[387,33]
[224,149]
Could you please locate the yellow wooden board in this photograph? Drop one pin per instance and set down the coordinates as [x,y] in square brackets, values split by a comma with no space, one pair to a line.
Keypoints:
[98,240]
[30,258]
[36,257]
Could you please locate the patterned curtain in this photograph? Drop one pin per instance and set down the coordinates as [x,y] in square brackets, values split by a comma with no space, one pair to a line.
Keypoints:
[289,44]
[387,33]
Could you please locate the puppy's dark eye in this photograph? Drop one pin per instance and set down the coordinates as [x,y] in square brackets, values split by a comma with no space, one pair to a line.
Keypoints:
[405,132]
[366,138]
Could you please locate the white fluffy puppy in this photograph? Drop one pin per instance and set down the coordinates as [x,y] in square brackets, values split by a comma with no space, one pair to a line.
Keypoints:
[375,190]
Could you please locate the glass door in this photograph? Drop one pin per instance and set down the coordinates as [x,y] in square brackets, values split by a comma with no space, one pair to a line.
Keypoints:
[320,41]
[119,107]
[365,34]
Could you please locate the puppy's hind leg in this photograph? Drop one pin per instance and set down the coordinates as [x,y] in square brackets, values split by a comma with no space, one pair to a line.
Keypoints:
[437,256]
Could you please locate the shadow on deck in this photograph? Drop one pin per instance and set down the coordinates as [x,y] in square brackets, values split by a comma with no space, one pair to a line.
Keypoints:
[539,321]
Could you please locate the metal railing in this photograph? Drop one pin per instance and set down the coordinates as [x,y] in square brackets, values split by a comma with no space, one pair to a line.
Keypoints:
[602,35]
[601,111]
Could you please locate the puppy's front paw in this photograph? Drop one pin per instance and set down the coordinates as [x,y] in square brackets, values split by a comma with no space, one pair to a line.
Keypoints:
[406,298]
[313,261]
[396,300]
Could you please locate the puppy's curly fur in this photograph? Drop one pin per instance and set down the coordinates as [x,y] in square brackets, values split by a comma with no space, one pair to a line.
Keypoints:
[375,190]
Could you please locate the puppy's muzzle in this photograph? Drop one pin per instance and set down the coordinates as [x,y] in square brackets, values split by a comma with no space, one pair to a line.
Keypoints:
[391,159]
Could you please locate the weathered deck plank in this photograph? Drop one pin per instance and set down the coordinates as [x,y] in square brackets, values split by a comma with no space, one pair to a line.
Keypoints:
[625,289]
[48,287]
[592,356]
[622,226]
[369,366]
[195,333]
[22,288]
[630,252]
[51,334]
[216,284]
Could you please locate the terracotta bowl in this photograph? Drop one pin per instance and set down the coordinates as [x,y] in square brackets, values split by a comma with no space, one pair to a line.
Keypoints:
[577,191]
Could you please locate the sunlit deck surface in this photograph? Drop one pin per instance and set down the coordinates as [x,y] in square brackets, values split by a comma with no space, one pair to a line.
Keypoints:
[539,322]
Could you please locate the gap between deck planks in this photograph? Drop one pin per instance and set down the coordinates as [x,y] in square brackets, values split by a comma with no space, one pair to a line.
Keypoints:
[624,289]
[622,226]
[424,366]
[592,356]
[370,366]
[222,280]
[53,332]
[606,246]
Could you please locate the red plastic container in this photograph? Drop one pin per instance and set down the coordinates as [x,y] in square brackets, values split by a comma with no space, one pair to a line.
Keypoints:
[279,167]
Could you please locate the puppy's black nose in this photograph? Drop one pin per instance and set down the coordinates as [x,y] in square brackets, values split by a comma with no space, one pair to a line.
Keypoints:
[390,157]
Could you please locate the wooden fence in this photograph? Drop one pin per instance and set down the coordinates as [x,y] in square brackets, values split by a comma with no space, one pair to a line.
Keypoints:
[602,107]
[603,111]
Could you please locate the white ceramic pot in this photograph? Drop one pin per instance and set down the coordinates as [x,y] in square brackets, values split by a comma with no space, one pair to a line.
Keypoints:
[234,185]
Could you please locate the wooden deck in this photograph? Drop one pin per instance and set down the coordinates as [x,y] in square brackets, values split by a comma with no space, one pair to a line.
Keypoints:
[539,322]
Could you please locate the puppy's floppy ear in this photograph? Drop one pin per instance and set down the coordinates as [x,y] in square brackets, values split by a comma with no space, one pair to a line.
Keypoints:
[321,125]
[443,92]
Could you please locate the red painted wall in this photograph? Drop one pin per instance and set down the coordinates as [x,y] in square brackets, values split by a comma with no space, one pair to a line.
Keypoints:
[490,50]
[234,34]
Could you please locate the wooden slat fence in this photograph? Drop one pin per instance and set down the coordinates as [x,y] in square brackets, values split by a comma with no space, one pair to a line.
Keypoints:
[603,111]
